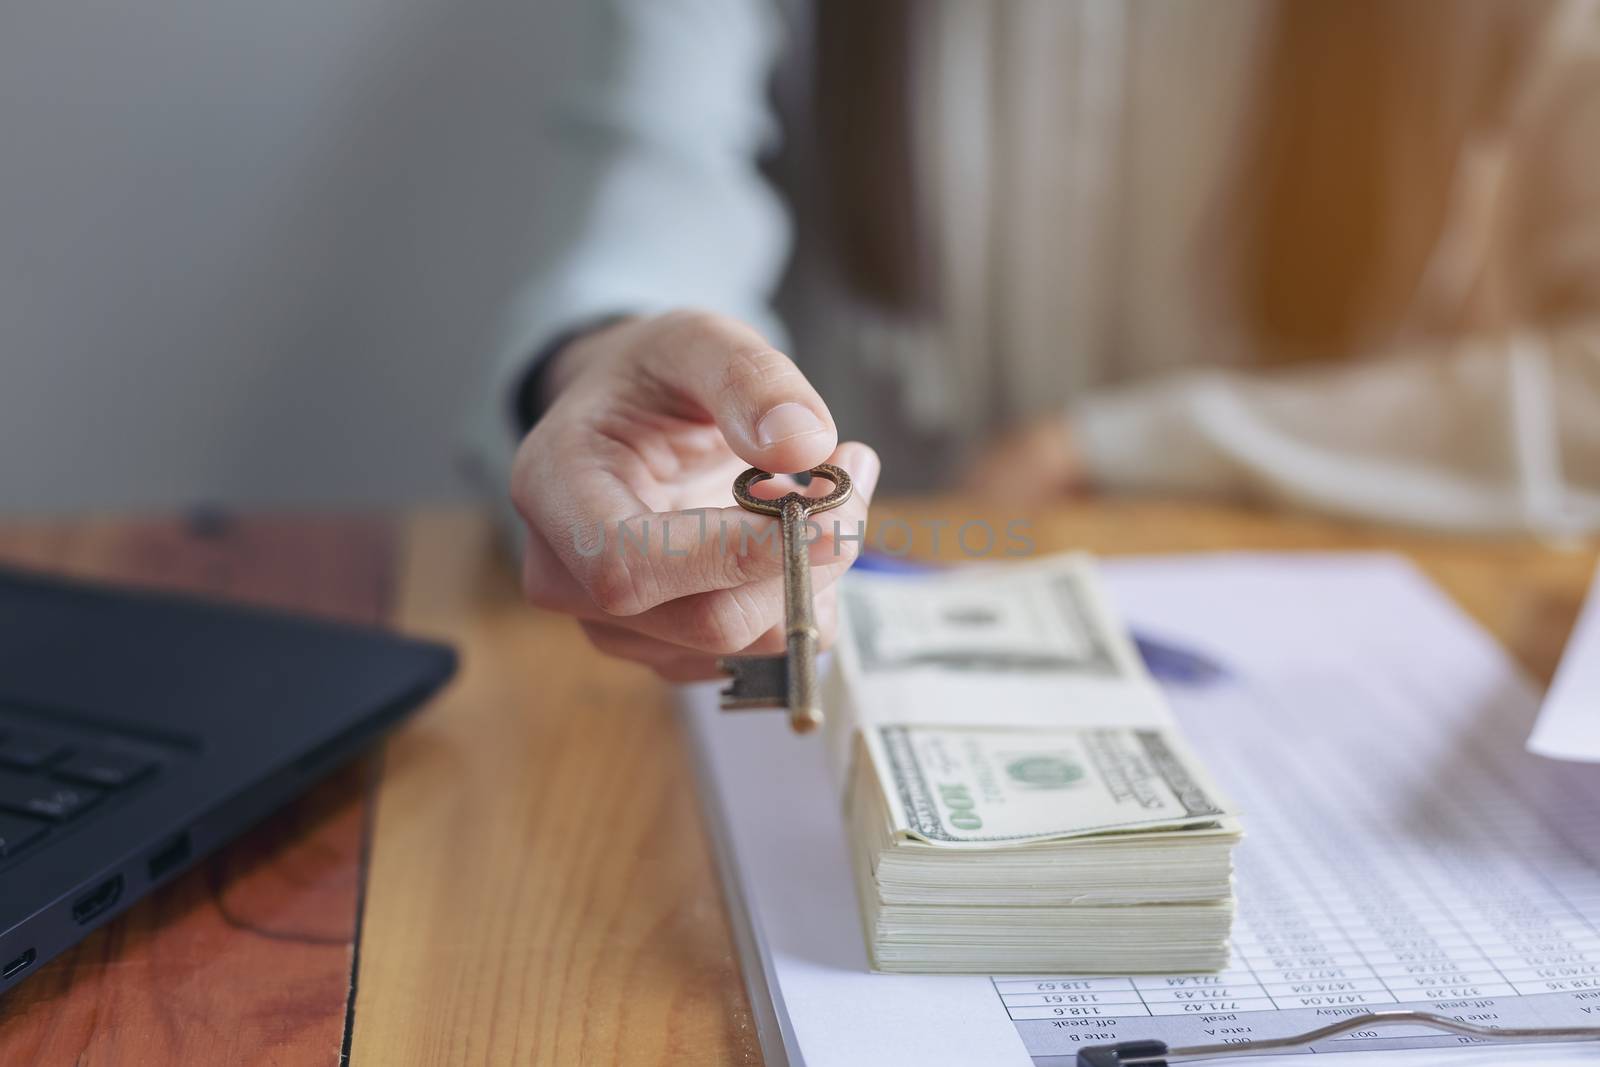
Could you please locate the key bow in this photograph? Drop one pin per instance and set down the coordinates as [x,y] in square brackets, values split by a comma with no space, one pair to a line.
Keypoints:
[809,504]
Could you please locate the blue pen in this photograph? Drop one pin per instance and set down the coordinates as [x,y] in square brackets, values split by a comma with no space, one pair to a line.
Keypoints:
[1166,662]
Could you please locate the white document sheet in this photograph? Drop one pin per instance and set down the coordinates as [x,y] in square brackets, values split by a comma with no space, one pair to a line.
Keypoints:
[1402,848]
[1569,723]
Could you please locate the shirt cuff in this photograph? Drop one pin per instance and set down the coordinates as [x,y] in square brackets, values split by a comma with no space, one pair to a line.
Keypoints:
[527,390]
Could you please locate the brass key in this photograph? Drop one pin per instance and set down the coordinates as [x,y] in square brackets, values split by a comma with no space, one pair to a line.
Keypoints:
[789,680]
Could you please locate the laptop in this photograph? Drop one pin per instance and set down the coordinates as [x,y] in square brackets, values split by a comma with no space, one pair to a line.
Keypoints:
[140,731]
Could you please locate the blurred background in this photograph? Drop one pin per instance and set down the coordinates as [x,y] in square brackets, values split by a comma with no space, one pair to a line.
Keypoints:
[252,254]
[1339,256]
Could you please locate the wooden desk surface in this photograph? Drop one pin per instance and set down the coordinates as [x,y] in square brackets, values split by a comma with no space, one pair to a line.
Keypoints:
[522,876]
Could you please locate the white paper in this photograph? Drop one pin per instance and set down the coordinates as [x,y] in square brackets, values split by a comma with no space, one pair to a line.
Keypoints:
[1373,737]
[1569,723]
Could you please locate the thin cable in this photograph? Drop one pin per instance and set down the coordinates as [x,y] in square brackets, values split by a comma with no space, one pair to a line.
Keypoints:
[1371,1020]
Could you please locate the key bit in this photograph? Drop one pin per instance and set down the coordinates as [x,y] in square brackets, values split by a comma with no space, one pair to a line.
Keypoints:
[757,682]
[787,681]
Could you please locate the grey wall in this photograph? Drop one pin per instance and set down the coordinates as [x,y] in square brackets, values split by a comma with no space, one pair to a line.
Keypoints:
[252,253]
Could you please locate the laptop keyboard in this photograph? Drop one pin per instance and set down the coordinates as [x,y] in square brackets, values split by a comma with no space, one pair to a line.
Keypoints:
[48,780]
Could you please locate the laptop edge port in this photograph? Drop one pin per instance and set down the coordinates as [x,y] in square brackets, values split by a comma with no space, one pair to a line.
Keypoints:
[18,965]
[97,900]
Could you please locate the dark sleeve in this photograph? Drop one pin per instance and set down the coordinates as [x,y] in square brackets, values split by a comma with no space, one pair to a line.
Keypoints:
[528,399]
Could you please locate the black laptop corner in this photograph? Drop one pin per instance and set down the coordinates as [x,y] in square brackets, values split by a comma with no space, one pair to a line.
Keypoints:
[140,731]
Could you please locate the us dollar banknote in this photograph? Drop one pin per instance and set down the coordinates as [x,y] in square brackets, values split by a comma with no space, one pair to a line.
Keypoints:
[976,786]
[1004,621]
[1017,794]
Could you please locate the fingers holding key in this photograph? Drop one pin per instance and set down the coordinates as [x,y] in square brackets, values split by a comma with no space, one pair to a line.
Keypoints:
[835,536]
[643,561]
[676,663]
[768,412]
[642,420]
[723,622]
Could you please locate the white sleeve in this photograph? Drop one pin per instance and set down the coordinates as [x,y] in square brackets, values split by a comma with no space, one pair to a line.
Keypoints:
[649,194]
[651,197]
[1492,434]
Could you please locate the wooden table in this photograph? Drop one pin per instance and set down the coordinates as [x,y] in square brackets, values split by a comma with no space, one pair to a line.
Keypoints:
[521,877]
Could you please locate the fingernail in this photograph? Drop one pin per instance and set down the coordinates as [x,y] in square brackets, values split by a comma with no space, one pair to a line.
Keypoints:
[785,421]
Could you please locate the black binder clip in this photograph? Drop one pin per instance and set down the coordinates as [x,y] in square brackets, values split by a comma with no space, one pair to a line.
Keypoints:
[1124,1054]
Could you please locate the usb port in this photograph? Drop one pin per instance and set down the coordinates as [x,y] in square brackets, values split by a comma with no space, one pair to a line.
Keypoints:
[93,903]
[18,965]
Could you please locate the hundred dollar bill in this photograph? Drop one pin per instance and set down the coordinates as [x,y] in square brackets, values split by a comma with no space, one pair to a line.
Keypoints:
[1033,645]
[1017,794]
[1027,618]
[987,787]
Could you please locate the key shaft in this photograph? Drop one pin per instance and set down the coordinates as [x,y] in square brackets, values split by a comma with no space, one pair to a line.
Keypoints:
[789,680]
[800,622]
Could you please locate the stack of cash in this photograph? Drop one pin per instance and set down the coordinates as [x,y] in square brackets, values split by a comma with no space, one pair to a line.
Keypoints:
[1017,796]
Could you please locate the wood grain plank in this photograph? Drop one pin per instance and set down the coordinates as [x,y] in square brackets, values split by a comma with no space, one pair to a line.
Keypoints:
[541,890]
[247,958]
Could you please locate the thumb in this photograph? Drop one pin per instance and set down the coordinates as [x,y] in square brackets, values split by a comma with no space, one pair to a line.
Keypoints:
[769,414]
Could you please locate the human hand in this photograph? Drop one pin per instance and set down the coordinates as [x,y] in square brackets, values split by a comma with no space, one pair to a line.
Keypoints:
[649,422]
[1035,461]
